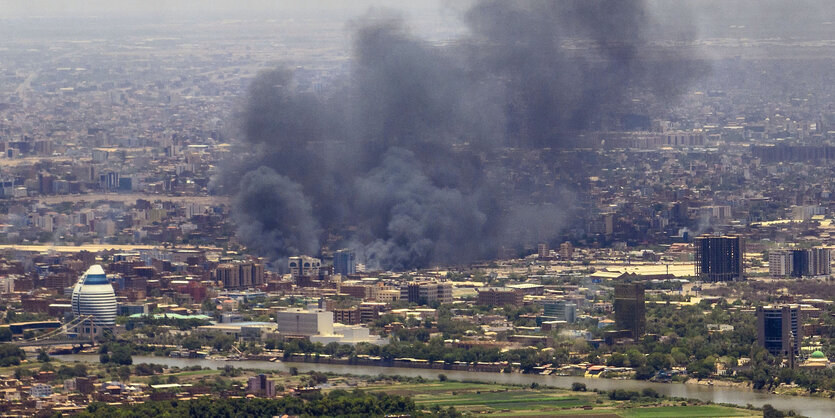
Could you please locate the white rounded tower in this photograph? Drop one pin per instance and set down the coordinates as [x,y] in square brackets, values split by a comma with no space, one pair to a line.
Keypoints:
[94,296]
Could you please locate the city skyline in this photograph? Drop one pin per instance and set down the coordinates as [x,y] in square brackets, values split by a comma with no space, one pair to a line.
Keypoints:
[277,208]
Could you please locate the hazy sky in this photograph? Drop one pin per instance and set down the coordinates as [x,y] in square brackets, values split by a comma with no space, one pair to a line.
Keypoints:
[138,8]
[710,18]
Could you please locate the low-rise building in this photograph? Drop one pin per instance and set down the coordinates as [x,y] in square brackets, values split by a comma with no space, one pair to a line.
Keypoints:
[349,334]
[499,296]
[40,390]
[426,292]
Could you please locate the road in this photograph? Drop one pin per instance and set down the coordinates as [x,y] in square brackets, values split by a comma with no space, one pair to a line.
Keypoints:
[24,87]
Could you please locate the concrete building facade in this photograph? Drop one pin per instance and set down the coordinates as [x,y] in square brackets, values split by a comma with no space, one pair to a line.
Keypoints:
[304,323]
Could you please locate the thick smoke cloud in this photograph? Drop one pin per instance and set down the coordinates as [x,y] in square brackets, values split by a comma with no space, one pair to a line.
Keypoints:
[403,160]
[425,222]
[274,215]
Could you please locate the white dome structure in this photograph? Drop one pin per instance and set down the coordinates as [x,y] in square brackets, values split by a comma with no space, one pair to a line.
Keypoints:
[94,296]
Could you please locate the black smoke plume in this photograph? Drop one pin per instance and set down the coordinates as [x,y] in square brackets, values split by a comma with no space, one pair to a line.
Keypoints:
[404,159]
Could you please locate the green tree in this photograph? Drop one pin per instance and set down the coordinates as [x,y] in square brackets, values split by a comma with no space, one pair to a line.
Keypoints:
[578,387]
[659,361]
[122,355]
[771,412]
[191,343]
[11,355]
[678,356]
[636,358]
[124,373]
[616,360]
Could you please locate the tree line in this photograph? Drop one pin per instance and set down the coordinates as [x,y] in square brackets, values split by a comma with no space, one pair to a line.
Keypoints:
[335,403]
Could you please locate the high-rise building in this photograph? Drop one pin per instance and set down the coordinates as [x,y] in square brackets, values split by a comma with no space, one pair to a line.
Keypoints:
[344,262]
[93,296]
[719,259]
[800,263]
[260,385]
[240,274]
[566,251]
[543,250]
[630,311]
[811,262]
[822,261]
[779,330]
[780,263]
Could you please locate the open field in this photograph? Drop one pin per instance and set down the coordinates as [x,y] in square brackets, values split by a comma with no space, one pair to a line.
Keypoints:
[183,377]
[688,411]
[501,400]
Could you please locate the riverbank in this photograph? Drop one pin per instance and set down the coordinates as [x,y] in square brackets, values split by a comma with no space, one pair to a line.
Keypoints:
[503,367]
[811,407]
[718,383]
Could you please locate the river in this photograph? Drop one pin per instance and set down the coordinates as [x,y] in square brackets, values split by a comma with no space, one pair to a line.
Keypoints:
[807,406]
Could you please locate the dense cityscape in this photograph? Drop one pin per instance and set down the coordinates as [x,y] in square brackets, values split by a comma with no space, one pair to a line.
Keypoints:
[287,215]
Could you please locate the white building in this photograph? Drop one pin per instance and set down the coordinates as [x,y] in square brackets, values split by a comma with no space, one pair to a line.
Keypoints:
[820,262]
[780,263]
[7,284]
[242,331]
[303,322]
[94,296]
[806,212]
[40,390]
[349,334]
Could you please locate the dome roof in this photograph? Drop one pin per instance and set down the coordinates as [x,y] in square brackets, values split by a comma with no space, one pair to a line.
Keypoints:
[95,275]
[817,354]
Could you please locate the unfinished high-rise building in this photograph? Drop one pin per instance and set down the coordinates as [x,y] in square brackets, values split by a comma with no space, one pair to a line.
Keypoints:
[719,259]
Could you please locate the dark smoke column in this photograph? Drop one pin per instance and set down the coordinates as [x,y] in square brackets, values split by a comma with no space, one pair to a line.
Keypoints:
[407,154]
[273,215]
